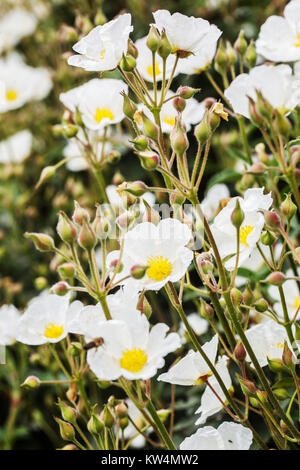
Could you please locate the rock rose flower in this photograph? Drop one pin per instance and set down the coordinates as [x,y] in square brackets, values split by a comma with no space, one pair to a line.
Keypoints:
[9,320]
[16,24]
[16,148]
[267,341]
[103,47]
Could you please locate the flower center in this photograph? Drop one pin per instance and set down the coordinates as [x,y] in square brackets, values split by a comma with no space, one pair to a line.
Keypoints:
[280,345]
[150,70]
[102,54]
[297,43]
[53,331]
[203,378]
[103,113]
[244,232]
[169,120]
[133,360]
[158,268]
[296,302]
[11,95]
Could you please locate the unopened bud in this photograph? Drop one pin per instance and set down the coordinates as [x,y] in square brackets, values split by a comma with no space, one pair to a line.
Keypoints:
[179,104]
[249,388]
[129,107]
[221,58]
[69,447]
[267,238]
[66,229]
[240,44]
[114,157]
[149,160]
[138,271]
[261,305]
[236,296]
[288,358]
[153,39]
[163,414]
[282,124]
[75,349]
[202,130]
[206,310]
[164,47]
[94,425]
[276,365]
[107,418]
[231,54]
[149,128]
[187,92]
[80,215]
[237,215]
[132,49]
[250,55]
[60,288]
[31,382]
[288,208]
[150,214]
[240,352]
[67,412]
[121,410]
[42,242]
[178,138]
[281,393]
[276,278]
[144,306]
[140,143]
[272,219]
[257,168]
[176,198]
[66,270]
[87,238]
[45,175]
[136,188]
[128,63]
[66,430]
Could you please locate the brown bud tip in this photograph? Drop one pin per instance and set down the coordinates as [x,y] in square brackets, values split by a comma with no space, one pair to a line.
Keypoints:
[240,352]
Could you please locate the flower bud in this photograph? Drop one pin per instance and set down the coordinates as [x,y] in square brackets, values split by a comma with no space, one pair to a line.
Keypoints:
[179,104]
[178,138]
[66,430]
[262,397]
[114,157]
[282,124]
[254,114]
[153,39]
[272,219]
[247,296]
[106,417]
[240,352]
[60,288]
[124,423]
[206,310]
[276,365]
[187,92]
[250,55]
[129,107]
[288,358]
[231,54]
[281,393]
[128,63]
[267,238]
[140,143]
[257,168]
[69,447]
[149,160]
[163,414]
[288,208]
[150,129]
[137,271]
[69,131]
[136,188]
[240,44]
[87,238]
[124,220]
[221,58]
[276,278]
[42,242]
[94,425]
[261,305]
[164,46]
[144,306]
[121,410]
[67,412]
[31,382]
[249,388]
[66,229]
[80,215]
[202,130]
[45,175]
[101,227]
[132,49]
[71,393]
[237,215]
[66,271]
[236,296]
[40,282]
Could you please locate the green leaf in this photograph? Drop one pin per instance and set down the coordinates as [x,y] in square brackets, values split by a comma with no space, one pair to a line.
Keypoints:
[236,154]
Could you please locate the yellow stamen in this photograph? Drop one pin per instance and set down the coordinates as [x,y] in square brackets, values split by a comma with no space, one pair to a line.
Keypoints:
[103,113]
[169,120]
[296,302]
[102,53]
[53,331]
[159,268]
[280,346]
[297,44]
[133,360]
[157,70]
[244,232]
[203,378]
[11,95]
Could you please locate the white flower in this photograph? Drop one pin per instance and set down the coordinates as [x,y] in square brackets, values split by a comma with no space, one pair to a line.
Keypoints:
[192,114]
[267,341]
[131,350]
[198,324]
[99,101]
[282,95]
[224,231]
[22,83]
[185,33]
[9,319]
[161,248]
[46,319]
[214,196]
[279,37]
[200,61]
[209,402]
[145,65]
[16,24]
[75,150]
[291,293]
[192,368]
[103,47]
[16,148]
[228,436]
